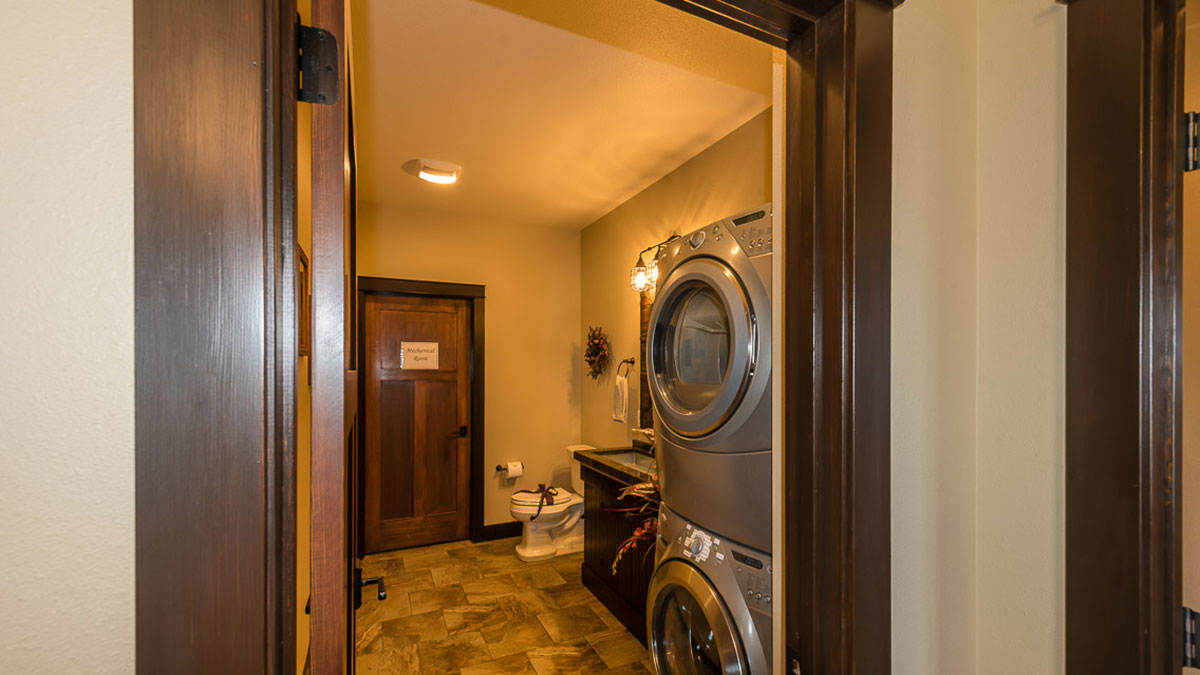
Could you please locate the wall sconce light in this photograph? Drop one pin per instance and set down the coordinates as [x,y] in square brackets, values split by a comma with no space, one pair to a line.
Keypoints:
[639,280]
[644,275]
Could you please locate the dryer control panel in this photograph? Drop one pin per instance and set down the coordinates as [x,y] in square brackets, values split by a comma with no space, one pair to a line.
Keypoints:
[752,231]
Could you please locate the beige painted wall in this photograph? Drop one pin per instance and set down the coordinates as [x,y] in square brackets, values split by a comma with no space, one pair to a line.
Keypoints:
[978,314]
[1021,336]
[66,386]
[731,175]
[933,338]
[1191,337]
[533,352]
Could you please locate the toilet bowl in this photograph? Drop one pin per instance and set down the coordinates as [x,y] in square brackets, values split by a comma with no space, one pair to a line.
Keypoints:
[556,530]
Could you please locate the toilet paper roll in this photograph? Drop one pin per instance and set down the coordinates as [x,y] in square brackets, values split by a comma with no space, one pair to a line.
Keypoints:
[515,469]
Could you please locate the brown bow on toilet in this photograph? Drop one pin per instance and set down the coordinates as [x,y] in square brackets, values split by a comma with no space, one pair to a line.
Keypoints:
[547,494]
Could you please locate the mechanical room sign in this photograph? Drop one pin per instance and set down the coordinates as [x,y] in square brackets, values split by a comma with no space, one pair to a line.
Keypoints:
[418,356]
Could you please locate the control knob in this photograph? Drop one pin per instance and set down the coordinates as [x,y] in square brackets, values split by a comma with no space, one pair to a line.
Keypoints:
[698,545]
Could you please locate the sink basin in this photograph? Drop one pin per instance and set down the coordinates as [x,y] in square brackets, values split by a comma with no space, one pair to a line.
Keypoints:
[633,459]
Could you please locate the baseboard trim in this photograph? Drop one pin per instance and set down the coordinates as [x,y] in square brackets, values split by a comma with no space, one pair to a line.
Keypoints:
[497,531]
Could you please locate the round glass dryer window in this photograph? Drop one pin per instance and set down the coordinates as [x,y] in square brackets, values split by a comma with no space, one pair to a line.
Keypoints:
[687,644]
[697,341]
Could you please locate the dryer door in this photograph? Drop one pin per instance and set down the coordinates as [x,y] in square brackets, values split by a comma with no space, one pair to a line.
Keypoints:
[702,347]
[688,627]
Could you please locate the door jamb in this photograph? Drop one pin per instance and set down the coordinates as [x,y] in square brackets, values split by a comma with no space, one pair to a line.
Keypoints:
[1123,375]
[837,304]
[476,295]
[331,616]
[214,441]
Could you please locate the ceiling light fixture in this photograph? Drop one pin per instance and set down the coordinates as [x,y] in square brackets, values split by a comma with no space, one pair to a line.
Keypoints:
[439,177]
[435,171]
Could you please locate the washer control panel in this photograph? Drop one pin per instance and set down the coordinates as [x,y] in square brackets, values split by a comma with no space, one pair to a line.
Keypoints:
[753,574]
[751,569]
[699,545]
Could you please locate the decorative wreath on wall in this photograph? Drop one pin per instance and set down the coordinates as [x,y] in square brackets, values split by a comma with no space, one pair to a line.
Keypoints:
[596,353]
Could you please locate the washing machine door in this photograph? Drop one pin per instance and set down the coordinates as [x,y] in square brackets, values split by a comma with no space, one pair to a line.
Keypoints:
[688,627]
[702,346]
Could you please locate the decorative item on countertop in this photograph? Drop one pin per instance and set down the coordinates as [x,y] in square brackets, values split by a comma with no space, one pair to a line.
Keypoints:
[647,512]
[596,353]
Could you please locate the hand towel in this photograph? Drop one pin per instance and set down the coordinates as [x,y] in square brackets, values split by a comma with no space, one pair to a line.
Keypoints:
[620,398]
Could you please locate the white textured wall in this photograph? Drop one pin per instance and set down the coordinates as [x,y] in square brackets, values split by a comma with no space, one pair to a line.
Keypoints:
[1022,309]
[66,338]
[933,338]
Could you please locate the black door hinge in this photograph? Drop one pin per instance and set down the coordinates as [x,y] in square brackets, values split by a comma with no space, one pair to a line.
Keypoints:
[318,65]
[1191,659]
[1191,136]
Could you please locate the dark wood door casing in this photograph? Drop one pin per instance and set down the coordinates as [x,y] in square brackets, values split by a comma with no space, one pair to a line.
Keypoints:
[215,300]
[332,616]
[838,308]
[416,461]
[776,22]
[1124,86]
[837,304]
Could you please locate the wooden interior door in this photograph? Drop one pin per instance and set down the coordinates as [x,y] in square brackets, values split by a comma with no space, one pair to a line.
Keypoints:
[416,466]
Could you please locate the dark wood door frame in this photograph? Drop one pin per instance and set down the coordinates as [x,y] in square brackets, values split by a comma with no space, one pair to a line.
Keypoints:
[837,256]
[837,446]
[1123,386]
[476,294]
[332,555]
[215,336]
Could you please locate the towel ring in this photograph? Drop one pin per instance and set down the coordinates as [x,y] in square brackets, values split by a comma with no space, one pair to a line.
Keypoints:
[629,362]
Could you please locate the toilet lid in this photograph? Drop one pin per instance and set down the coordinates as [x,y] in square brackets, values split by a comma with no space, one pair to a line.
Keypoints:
[560,495]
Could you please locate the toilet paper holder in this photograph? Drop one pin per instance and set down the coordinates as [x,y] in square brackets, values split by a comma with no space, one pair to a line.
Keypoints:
[511,469]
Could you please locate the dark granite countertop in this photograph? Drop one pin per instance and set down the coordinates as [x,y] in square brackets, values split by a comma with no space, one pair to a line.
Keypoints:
[630,465]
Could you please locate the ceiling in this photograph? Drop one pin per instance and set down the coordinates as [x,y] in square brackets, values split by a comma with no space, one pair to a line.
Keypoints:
[557,110]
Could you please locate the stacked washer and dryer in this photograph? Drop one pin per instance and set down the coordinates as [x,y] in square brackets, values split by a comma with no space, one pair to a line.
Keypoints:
[709,373]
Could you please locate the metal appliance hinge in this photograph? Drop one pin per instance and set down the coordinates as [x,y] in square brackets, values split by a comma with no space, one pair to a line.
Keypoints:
[1191,147]
[318,63]
[1191,659]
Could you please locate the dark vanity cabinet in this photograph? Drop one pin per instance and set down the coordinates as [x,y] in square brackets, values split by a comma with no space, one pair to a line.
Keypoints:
[623,593]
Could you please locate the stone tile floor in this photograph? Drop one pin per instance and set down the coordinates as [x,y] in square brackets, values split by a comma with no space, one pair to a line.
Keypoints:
[476,609]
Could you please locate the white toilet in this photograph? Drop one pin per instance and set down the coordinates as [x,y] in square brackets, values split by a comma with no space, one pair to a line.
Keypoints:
[558,528]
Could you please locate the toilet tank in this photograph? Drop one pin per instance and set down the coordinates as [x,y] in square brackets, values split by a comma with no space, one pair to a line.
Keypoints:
[576,481]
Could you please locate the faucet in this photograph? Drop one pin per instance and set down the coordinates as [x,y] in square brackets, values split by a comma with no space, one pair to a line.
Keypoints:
[647,433]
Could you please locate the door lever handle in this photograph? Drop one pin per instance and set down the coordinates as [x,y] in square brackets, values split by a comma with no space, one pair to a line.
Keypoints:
[461,433]
[378,582]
